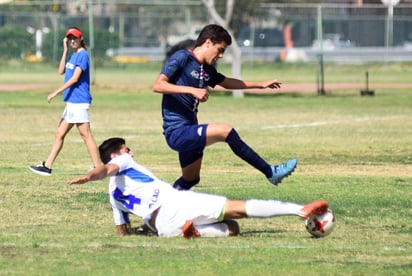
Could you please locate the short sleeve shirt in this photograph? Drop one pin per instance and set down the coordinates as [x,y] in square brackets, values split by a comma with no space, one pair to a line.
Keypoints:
[80,91]
[182,68]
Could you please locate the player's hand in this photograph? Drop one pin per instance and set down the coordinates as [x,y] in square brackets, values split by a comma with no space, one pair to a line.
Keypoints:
[51,96]
[65,43]
[79,180]
[272,84]
[201,94]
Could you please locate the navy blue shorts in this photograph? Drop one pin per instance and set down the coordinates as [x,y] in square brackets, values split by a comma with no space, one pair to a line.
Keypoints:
[189,141]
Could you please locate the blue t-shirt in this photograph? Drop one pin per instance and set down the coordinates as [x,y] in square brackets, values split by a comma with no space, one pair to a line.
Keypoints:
[80,91]
[182,68]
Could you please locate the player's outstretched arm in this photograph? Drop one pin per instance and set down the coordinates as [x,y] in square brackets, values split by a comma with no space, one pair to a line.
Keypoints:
[231,83]
[98,173]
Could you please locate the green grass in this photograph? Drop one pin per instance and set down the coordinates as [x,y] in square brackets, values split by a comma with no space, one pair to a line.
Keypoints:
[354,152]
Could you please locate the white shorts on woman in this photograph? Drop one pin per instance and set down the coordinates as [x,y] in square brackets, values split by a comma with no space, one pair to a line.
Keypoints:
[76,113]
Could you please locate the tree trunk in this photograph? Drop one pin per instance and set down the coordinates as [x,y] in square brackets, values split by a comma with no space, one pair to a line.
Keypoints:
[236,67]
[236,53]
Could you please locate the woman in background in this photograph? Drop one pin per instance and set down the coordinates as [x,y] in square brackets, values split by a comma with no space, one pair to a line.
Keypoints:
[76,94]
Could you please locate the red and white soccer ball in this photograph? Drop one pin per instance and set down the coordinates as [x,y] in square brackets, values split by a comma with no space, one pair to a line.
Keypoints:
[321,226]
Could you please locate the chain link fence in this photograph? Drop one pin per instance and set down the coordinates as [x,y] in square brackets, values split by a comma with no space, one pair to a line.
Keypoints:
[135,31]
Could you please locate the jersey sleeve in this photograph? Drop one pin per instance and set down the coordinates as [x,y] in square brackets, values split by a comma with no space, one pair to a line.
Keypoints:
[83,60]
[215,78]
[119,217]
[174,64]
[123,161]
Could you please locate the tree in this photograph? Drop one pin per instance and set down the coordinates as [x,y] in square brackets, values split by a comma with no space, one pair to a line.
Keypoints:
[225,22]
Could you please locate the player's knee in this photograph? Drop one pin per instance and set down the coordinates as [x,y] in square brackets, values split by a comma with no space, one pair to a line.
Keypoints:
[232,136]
[233,227]
[227,129]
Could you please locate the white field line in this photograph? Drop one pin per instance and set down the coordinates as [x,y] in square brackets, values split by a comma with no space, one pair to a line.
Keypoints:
[324,123]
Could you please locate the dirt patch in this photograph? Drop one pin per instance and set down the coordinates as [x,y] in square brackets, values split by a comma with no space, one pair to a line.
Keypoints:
[21,87]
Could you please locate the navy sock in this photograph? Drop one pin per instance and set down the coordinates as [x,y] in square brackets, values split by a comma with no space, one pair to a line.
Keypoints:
[242,150]
[181,184]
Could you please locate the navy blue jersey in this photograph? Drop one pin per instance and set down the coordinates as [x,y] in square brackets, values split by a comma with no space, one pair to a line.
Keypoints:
[182,68]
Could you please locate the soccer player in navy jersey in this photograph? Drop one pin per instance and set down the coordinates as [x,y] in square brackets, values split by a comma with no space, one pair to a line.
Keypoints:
[184,82]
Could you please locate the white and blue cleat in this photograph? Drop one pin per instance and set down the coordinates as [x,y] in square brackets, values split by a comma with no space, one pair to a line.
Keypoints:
[282,170]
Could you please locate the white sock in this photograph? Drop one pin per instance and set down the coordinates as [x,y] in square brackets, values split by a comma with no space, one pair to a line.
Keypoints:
[213,230]
[270,208]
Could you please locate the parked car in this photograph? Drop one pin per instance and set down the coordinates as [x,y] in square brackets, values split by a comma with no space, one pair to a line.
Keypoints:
[261,37]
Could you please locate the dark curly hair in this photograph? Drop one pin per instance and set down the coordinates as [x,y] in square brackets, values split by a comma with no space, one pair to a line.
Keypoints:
[215,33]
[109,146]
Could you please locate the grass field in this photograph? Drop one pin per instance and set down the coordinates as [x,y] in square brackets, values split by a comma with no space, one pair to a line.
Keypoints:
[355,152]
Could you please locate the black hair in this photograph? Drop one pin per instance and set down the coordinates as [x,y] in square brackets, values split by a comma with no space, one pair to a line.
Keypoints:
[109,146]
[215,33]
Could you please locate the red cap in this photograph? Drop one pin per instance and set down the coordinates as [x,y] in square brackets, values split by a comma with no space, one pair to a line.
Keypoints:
[74,32]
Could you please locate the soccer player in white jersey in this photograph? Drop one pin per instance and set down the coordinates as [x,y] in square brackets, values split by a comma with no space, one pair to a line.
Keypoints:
[170,212]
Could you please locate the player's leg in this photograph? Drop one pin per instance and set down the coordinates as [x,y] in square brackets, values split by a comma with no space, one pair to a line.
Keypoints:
[219,229]
[190,175]
[233,227]
[226,133]
[63,128]
[80,116]
[45,167]
[199,226]
[217,133]
[87,136]
[190,142]
[235,209]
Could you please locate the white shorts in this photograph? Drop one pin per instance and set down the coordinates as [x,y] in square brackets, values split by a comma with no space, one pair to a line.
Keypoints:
[76,113]
[200,208]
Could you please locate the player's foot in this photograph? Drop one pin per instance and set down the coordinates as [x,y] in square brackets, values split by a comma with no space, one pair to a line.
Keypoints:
[281,171]
[189,230]
[41,169]
[315,208]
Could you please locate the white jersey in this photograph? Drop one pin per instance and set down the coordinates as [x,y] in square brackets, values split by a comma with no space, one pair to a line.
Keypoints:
[135,190]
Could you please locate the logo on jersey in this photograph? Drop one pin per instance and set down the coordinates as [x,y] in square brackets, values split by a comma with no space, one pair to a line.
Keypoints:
[128,201]
[195,74]
[70,66]
[199,131]
[203,77]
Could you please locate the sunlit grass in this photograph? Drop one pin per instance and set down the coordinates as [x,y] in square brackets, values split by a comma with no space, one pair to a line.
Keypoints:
[354,152]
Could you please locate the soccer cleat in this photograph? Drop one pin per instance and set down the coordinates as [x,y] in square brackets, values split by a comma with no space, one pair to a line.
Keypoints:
[41,169]
[281,171]
[189,230]
[315,208]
